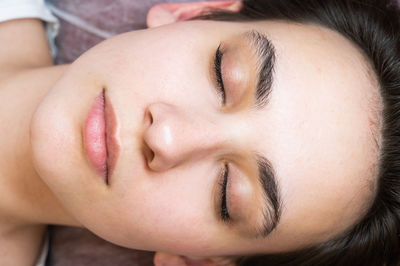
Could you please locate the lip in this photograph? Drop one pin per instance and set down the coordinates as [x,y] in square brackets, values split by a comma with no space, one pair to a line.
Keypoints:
[99,136]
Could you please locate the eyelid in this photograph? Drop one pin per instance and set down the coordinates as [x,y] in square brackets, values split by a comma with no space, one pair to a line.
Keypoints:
[218,73]
[223,182]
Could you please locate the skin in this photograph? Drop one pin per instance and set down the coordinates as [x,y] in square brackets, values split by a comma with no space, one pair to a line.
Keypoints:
[315,130]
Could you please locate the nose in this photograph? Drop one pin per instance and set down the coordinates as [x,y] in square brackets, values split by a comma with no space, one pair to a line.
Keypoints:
[177,134]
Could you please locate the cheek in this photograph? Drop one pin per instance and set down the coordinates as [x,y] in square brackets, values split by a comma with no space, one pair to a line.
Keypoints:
[168,211]
[150,67]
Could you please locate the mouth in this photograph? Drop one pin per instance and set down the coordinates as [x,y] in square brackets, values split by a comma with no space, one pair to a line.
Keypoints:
[99,137]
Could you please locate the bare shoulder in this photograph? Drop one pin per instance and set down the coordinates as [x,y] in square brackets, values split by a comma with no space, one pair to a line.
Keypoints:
[23,46]
[20,245]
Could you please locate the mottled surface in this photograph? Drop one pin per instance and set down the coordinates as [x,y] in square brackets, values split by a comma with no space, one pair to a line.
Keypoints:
[79,247]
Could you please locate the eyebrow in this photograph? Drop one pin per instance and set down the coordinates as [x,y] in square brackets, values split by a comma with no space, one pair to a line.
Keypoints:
[272,198]
[266,57]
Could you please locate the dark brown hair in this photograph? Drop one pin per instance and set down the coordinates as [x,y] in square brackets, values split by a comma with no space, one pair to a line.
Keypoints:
[373,25]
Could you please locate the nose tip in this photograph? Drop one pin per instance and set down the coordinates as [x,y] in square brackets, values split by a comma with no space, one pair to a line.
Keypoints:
[159,138]
[161,154]
[178,134]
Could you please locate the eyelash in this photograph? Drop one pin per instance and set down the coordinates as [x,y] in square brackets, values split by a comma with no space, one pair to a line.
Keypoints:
[218,74]
[224,213]
[224,182]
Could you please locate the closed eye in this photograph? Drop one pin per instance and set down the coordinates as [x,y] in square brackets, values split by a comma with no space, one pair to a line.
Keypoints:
[218,74]
[224,183]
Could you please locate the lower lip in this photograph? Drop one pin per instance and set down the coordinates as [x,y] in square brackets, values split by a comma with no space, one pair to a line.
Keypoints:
[99,137]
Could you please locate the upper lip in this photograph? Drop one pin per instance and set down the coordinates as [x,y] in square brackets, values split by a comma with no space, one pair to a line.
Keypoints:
[113,146]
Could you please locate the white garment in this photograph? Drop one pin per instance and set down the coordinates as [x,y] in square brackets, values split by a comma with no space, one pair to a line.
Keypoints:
[16,9]
[45,250]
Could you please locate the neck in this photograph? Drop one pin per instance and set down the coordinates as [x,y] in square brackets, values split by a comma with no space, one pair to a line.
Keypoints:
[25,198]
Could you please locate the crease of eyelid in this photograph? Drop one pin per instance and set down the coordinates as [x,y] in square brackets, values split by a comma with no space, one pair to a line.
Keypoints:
[266,57]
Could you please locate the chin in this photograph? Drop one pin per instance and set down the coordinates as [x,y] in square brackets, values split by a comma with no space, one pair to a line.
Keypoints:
[56,143]
[52,140]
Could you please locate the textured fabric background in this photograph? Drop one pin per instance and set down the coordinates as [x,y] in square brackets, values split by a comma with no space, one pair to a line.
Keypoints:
[102,18]
[79,247]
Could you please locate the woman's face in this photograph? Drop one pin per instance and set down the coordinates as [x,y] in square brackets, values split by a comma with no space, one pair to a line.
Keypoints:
[194,171]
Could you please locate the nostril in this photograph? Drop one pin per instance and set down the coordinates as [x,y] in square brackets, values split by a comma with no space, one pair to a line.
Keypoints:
[148,153]
[151,118]
[151,155]
[148,118]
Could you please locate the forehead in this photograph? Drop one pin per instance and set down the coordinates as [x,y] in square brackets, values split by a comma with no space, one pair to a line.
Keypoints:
[317,130]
